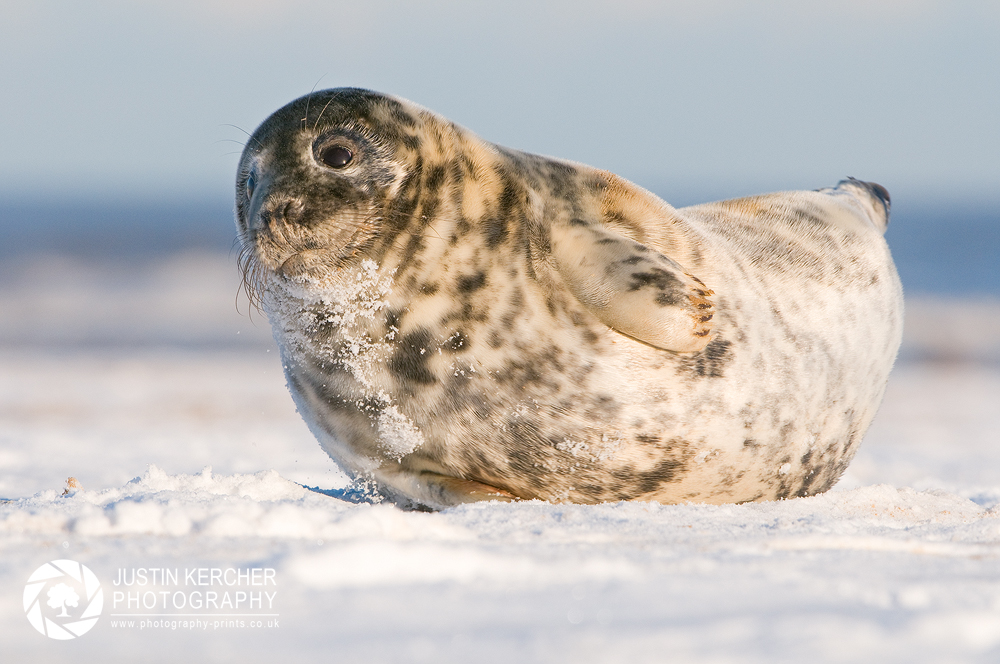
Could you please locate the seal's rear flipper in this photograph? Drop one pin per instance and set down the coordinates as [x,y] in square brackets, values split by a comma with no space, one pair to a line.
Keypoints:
[632,288]
[873,198]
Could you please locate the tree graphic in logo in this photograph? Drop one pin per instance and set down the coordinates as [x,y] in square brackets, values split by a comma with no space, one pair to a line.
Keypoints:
[60,597]
[55,588]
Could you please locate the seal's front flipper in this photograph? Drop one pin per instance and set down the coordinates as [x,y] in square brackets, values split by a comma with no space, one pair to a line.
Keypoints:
[632,288]
[440,491]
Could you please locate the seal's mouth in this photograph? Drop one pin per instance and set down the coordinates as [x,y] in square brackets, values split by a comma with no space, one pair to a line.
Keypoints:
[289,245]
[261,273]
[302,263]
[291,265]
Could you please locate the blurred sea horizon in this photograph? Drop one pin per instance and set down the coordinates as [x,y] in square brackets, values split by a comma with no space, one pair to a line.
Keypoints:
[126,275]
[944,248]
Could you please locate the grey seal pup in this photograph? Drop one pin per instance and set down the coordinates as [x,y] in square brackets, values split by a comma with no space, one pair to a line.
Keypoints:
[460,321]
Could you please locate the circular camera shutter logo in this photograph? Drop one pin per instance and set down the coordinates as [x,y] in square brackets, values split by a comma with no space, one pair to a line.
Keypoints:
[63,599]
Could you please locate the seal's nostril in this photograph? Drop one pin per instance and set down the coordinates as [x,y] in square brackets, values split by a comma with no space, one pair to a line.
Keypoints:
[291,211]
[281,211]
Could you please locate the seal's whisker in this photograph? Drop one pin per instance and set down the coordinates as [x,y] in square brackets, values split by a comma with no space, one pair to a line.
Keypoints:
[255,276]
[305,117]
[320,116]
[249,135]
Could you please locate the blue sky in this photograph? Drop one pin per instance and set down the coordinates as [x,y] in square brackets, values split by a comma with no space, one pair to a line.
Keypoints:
[695,100]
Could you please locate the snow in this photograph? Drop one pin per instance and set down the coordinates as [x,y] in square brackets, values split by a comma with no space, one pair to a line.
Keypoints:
[189,456]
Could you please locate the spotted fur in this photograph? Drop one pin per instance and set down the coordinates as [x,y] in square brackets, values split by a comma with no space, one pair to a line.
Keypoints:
[460,321]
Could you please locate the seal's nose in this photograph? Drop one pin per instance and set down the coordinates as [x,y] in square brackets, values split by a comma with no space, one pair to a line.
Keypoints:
[266,205]
[280,210]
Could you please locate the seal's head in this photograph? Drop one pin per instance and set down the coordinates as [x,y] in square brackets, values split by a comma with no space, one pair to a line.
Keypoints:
[320,180]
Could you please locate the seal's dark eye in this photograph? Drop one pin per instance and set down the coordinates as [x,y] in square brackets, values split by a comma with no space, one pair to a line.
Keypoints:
[251,185]
[336,156]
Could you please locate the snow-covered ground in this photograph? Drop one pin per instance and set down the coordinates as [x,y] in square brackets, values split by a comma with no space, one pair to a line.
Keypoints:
[169,409]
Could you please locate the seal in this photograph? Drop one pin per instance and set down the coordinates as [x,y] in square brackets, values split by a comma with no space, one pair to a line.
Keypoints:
[460,321]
